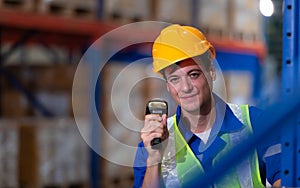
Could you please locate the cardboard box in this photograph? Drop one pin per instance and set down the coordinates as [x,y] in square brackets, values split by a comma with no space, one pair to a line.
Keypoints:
[69,8]
[54,77]
[127,10]
[59,103]
[18,5]
[239,86]
[247,20]
[14,104]
[9,142]
[213,15]
[49,85]
[52,153]
[174,11]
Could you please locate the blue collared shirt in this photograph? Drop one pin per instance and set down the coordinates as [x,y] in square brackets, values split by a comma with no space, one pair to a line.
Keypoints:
[225,122]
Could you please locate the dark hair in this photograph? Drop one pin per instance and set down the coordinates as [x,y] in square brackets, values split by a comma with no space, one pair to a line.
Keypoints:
[205,60]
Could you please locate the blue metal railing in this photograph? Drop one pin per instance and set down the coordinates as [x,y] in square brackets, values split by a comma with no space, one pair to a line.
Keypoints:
[290,168]
[273,119]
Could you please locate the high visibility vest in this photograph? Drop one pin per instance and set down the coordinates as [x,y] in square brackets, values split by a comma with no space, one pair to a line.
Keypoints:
[182,169]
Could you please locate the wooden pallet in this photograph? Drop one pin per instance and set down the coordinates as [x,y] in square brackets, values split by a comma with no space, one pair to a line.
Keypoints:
[214,32]
[126,11]
[18,5]
[247,37]
[71,185]
[222,33]
[69,8]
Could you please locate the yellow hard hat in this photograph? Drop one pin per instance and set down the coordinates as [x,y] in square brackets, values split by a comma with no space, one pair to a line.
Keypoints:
[176,43]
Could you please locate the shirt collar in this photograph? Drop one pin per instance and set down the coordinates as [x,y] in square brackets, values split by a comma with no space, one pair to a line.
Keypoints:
[226,121]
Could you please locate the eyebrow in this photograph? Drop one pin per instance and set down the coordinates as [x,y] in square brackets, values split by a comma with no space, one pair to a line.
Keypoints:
[198,70]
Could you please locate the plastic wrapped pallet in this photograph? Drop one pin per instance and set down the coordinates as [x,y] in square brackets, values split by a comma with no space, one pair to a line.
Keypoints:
[247,19]
[124,96]
[213,16]
[63,154]
[8,153]
[86,9]
[35,55]
[18,5]
[127,10]
[239,86]
[174,11]
[58,155]
[14,104]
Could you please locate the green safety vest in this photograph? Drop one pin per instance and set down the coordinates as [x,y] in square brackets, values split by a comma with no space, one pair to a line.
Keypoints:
[188,168]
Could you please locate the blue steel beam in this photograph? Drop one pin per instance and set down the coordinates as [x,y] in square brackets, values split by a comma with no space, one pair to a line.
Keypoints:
[290,84]
[194,7]
[297,74]
[100,9]
[16,45]
[16,83]
[92,56]
[29,96]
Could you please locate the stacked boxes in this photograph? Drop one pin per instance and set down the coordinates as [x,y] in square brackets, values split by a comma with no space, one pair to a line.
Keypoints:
[228,18]
[213,17]
[247,20]
[123,96]
[9,142]
[86,9]
[52,153]
[20,5]
[40,152]
[127,10]
[126,90]
[51,85]
[14,104]
[236,19]
[69,8]
[239,86]
[174,11]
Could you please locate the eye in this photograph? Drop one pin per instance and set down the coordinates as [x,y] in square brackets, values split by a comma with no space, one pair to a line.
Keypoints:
[195,74]
[173,80]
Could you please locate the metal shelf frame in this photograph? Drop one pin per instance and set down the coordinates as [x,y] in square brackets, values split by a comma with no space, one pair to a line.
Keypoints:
[283,118]
[24,28]
[290,172]
[21,28]
[81,33]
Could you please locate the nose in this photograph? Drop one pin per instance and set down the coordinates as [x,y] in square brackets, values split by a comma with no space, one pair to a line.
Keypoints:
[186,85]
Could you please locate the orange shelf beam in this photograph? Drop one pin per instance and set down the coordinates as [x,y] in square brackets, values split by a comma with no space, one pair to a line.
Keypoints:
[62,30]
[48,23]
[229,45]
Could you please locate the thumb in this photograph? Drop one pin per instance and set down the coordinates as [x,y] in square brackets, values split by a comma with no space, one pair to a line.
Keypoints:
[164,118]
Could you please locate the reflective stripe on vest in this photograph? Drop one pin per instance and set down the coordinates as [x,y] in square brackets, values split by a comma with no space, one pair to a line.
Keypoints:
[185,168]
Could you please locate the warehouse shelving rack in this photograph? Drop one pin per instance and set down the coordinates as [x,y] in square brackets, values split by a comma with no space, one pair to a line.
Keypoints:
[22,28]
[282,117]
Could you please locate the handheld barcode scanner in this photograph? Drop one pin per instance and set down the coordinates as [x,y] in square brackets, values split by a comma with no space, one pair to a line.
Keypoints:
[160,107]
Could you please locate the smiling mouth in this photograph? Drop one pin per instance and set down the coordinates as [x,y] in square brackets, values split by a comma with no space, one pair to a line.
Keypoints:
[187,97]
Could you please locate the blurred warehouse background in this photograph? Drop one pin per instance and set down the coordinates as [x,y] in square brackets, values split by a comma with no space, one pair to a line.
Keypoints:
[41,44]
